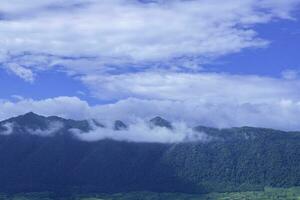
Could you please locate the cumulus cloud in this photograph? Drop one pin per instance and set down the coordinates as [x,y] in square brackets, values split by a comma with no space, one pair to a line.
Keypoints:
[88,36]
[279,115]
[218,100]
[68,107]
[140,131]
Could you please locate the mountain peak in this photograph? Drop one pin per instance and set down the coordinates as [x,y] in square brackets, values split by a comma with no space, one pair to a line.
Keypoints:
[161,122]
[119,125]
[29,120]
[30,114]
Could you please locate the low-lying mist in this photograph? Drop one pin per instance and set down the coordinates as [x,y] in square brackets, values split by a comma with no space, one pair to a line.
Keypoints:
[138,131]
[52,129]
[141,131]
[7,128]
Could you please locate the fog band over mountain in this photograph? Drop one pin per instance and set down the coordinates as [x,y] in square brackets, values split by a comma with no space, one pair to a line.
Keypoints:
[7,129]
[52,129]
[156,130]
[140,131]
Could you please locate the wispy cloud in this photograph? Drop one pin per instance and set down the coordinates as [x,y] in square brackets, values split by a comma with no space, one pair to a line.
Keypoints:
[8,128]
[205,87]
[52,128]
[22,72]
[87,36]
[140,131]
[290,74]
[218,100]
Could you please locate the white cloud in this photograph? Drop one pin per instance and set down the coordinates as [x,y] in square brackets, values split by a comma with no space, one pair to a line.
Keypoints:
[8,128]
[53,128]
[201,87]
[41,34]
[17,97]
[218,100]
[140,131]
[290,74]
[91,37]
[22,72]
[68,107]
[279,115]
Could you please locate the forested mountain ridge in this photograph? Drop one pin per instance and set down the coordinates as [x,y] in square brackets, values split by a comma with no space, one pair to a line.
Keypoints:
[232,159]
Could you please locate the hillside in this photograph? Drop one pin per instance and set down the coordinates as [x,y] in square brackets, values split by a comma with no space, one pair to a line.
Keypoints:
[235,159]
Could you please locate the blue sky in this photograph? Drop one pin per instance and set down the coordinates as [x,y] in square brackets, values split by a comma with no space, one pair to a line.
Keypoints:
[282,54]
[197,61]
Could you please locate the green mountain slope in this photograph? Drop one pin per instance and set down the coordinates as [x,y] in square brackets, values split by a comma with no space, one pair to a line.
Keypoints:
[237,159]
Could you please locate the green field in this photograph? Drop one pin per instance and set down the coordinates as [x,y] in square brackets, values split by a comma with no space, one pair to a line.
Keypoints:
[267,194]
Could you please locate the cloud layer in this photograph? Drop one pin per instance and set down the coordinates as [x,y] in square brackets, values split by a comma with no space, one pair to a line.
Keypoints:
[89,36]
[52,128]
[140,131]
[205,87]
[219,100]
[7,128]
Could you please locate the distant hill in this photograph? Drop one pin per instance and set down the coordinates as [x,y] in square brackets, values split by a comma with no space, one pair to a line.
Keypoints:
[40,153]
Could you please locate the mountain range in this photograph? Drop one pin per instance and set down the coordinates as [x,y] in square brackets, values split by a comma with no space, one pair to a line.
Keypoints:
[40,153]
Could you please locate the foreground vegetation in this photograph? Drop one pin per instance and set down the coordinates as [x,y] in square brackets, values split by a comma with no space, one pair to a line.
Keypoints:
[267,194]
